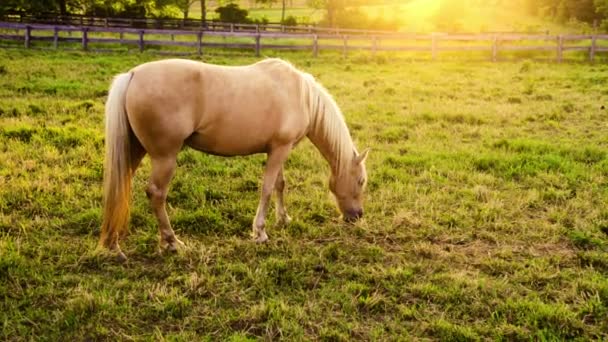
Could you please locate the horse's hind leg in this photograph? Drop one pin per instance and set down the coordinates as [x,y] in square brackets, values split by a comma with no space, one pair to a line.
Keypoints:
[162,172]
[137,153]
[279,185]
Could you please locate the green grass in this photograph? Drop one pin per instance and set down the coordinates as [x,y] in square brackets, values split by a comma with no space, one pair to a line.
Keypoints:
[486,214]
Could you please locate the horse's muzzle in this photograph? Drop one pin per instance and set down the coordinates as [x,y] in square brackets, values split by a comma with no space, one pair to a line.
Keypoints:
[353,215]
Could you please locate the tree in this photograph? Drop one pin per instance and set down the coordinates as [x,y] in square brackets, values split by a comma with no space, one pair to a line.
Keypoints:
[40,6]
[601,8]
[232,13]
[449,15]
[184,6]
[63,7]
[271,2]
[204,12]
[583,10]
[331,6]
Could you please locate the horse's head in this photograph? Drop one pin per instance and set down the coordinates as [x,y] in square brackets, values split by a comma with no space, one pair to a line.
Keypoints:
[348,187]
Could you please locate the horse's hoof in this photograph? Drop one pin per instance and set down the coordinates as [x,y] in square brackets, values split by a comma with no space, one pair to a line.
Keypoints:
[261,237]
[172,247]
[121,257]
[285,220]
[112,253]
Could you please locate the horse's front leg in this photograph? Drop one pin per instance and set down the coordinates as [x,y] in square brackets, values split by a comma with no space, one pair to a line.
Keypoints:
[274,164]
[282,216]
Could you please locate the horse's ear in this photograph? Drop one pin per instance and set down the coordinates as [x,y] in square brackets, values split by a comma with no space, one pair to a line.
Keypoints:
[360,158]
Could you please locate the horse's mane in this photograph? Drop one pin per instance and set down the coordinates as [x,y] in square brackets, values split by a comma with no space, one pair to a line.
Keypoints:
[327,122]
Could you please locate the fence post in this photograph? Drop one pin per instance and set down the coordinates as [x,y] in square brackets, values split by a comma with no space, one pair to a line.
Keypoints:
[494,48]
[345,48]
[434,45]
[141,41]
[315,45]
[231,27]
[55,37]
[257,45]
[200,42]
[560,48]
[85,38]
[28,36]
[593,48]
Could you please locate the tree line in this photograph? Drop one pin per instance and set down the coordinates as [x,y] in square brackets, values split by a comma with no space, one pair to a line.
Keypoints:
[338,13]
[589,11]
[102,8]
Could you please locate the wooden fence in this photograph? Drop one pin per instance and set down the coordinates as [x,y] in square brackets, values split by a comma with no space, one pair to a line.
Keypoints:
[196,41]
[173,24]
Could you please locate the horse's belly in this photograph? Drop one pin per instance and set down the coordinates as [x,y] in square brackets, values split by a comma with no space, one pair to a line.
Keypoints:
[227,144]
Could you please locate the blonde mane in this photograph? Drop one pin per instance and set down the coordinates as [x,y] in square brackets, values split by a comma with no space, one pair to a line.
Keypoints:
[327,123]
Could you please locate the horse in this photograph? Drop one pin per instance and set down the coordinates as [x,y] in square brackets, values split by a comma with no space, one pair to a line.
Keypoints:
[159,107]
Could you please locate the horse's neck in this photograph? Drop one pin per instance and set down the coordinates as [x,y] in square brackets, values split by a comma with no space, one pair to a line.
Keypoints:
[336,146]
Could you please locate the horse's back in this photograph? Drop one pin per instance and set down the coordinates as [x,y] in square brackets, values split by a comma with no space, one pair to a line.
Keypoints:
[217,109]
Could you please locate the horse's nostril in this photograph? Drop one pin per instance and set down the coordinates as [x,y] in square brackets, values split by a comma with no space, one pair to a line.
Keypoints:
[353,215]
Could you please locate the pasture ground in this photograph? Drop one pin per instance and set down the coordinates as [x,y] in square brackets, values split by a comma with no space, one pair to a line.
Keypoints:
[486,213]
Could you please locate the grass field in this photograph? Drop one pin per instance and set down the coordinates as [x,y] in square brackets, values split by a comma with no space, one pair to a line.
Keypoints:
[486,213]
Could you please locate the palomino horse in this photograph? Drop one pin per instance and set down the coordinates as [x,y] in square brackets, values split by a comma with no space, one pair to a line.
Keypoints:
[267,107]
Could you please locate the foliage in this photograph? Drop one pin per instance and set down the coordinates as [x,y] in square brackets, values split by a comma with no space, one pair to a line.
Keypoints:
[260,21]
[268,3]
[232,13]
[183,5]
[271,2]
[332,7]
[112,9]
[448,16]
[357,19]
[290,21]
[120,8]
[582,10]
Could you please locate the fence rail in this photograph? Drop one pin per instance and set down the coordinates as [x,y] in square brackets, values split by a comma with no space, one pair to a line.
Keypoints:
[174,23]
[432,44]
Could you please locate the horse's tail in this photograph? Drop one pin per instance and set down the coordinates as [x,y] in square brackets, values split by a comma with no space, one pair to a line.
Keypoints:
[117,165]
